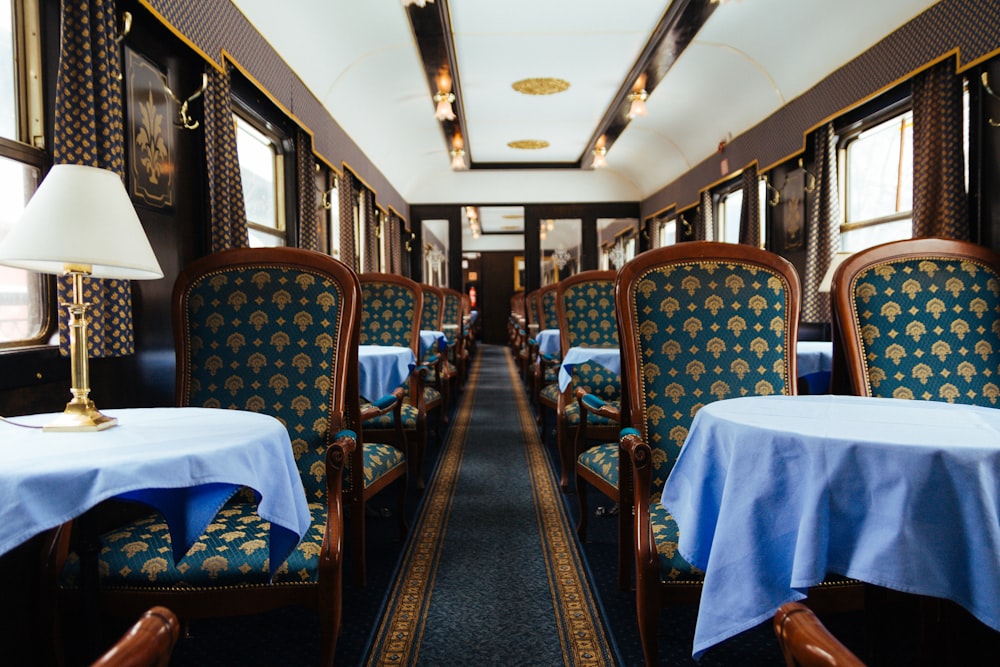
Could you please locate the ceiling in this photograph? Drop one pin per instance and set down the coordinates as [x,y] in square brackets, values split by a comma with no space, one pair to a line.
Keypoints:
[361,60]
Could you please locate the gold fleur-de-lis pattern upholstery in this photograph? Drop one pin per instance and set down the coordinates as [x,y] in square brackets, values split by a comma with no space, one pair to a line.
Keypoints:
[708,331]
[589,307]
[430,317]
[929,328]
[549,314]
[263,338]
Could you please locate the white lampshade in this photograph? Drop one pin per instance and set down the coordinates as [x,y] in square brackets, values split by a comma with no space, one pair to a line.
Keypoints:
[80,216]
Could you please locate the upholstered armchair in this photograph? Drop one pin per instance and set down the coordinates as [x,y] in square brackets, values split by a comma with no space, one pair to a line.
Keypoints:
[433,361]
[390,315]
[920,319]
[585,304]
[699,322]
[546,369]
[452,324]
[275,331]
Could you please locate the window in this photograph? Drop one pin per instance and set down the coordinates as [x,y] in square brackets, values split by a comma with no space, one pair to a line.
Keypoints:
[261,170]
[331,203]
[26,302]
[877,174]
[728,218]
[666,232]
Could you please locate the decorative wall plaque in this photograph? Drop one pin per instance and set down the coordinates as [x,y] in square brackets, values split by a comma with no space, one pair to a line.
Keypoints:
[150,133]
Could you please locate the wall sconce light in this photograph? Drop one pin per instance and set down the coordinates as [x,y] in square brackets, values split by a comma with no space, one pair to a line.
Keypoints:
[444,98]
[458,160]
[600,158]
[418,3]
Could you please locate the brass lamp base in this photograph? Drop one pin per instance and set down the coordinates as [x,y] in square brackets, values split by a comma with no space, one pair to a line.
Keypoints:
[81,416]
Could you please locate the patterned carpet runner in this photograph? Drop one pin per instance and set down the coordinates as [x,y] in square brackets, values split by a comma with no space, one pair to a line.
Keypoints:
[492,574]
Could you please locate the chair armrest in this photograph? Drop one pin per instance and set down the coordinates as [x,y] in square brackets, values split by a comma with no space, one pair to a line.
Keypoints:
[638,452]
[594,405]
[337,454]
[382,405]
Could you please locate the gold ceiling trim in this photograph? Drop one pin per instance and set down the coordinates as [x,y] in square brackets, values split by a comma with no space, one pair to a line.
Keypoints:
[513,216]
[540,86]
[528,144]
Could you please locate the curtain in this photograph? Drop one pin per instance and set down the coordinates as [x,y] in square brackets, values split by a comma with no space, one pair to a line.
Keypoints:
[368,229]
[395,257]
[345,198]
[750,210]
[306,171]
[89,130]
[939,201]
[823,227]
[228,216]
[705,229]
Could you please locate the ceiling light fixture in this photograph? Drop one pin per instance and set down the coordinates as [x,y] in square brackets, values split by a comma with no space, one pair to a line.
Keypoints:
[600,159]
[637,103]
[444,98]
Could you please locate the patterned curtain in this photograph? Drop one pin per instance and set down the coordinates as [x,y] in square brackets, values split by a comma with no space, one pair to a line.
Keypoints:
[395,256]
[306,171]
[371,242]
[750,210]
[705,229]
[345,197]
[89,130]
[228,216]
[939,201]
[823,230]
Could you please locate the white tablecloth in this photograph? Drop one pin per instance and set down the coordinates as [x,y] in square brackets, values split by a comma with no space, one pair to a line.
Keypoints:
[382,368]
[428,340]
[185,462]
[548,341]
[771,493]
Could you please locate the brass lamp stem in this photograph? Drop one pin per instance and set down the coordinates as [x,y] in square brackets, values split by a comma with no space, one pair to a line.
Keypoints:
[80,414]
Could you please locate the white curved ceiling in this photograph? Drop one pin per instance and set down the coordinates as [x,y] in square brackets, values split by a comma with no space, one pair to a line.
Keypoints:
[751,57]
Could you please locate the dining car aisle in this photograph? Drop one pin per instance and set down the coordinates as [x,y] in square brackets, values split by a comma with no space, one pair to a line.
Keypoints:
[492,574]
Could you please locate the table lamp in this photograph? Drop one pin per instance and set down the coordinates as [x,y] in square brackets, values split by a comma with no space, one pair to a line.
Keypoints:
[80,222]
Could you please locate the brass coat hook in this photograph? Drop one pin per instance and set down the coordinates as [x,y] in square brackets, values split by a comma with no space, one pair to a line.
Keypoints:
[407,244]
[325,200]
[985,78]
[774,199]
[810,185]
[126,27]
[685,225]
[184,120]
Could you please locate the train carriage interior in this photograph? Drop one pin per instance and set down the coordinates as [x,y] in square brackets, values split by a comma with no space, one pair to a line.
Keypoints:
[515,290]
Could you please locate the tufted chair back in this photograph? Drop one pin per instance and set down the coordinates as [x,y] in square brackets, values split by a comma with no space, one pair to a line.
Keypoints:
[920,319]
[389,315]
[701,322]
[272,330]
[433,310]
[585,304]
[549,316]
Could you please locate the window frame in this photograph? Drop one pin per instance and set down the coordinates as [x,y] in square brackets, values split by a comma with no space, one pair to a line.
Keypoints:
[29,149]
[280,228]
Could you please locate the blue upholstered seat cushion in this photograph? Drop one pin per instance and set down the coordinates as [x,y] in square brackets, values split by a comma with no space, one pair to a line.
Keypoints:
[551,374]
[673,567]
[549,393]
[232,552]
[379,461]
[602,460]
[408,412]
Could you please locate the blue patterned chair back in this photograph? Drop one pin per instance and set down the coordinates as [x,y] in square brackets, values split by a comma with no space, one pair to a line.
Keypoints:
[272,330]
[532,306]
[585,304]
[389,311]
[701,322]
[920,319]
[549,312]
[430,317]
[452,314]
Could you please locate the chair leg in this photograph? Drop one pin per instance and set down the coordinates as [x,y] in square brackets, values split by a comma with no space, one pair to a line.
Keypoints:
[330,614]
[401,506]
[647,605]
[358,541]
[581,496]
[626,551]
